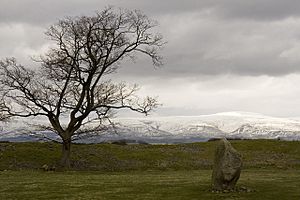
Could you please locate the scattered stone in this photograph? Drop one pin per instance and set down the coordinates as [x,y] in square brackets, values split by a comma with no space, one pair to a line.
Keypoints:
[227,167]
[243,188]
[47,168]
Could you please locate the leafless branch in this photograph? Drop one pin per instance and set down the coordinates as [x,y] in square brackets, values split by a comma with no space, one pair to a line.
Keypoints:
[72,80]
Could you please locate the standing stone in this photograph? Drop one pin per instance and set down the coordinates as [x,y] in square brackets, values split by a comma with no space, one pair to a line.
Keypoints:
[227,166]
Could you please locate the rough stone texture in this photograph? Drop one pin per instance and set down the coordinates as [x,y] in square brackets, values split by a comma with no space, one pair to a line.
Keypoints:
[227,166]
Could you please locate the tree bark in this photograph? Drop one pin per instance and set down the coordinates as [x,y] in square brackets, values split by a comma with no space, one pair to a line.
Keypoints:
[66,151]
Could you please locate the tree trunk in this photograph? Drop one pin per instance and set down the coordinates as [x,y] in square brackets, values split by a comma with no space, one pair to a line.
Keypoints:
[66,151]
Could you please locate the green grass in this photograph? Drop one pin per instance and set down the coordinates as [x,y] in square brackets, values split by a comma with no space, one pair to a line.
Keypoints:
[154,185]
[110,157]
[271,170]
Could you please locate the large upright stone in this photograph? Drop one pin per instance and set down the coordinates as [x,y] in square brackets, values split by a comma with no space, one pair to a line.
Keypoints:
[227,166]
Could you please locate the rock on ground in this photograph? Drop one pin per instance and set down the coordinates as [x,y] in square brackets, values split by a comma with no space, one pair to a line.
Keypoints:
[227,166]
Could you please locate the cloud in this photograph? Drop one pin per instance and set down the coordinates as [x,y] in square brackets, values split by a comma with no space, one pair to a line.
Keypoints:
[221,55]
[21,41]
[258,9]
[36,11]
[199,44]
[204,37]
[40,12]
[274,96]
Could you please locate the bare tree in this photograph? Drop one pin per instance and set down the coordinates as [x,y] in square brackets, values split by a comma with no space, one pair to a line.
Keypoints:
[72,82]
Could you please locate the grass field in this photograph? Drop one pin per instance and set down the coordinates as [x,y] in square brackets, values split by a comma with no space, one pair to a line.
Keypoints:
[105,171]
[110,157]
[154,185]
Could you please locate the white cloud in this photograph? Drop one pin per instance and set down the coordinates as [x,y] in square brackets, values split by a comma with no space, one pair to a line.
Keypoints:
[21,41]
[275,96]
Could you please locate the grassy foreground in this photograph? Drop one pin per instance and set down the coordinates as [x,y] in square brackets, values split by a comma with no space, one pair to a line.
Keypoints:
[182,171]
[154,185]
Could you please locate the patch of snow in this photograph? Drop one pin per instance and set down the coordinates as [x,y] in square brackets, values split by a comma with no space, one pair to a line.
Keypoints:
[178,128]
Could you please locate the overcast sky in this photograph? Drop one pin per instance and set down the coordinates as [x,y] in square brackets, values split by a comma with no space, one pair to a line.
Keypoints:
[221,55]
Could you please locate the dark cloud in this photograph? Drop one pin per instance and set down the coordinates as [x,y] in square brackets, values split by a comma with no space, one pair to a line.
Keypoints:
[47,11]
[219,52]
[204,37]
[200,45]
[259,9]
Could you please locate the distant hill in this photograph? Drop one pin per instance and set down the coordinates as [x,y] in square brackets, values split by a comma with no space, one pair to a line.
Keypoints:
[177,129]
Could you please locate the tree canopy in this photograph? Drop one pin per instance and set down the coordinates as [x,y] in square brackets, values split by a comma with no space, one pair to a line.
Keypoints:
[72,81]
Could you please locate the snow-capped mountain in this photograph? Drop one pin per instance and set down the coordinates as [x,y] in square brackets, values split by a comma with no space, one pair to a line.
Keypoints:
[185,128]
[229,124]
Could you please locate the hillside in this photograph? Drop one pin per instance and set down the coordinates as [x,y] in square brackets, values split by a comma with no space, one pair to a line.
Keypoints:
[112,157]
